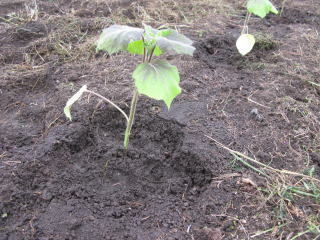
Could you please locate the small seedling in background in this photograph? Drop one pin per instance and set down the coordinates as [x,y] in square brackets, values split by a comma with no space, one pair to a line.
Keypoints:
[260,8]
[157,79]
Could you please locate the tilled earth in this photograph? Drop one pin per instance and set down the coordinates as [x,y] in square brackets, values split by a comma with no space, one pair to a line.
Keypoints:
[73,180]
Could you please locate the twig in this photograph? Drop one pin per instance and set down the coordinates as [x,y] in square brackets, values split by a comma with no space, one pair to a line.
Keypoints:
[315,84]
[259,104]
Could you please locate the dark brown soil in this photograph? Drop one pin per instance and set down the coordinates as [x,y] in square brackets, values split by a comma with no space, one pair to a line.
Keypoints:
[73,180]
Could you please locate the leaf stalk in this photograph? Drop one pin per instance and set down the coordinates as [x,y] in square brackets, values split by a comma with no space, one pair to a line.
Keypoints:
[109,101]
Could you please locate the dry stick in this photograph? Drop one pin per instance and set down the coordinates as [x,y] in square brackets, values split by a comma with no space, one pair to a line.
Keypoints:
[261,164]
[250,100]
[313,83]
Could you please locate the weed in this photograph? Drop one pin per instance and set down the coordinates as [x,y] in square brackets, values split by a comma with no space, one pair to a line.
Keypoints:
[265,43]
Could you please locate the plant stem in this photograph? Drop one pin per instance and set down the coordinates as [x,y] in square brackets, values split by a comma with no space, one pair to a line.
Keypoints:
[151,54]
[245,28]
[146,58]
[109,101]
[131,118]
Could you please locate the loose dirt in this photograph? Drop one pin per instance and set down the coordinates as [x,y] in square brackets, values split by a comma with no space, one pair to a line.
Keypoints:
[73,180]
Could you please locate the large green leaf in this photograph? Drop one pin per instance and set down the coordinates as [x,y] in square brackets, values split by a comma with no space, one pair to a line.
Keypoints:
[174,41]
[261,7]
[158,80]
[169,40]
[117,38]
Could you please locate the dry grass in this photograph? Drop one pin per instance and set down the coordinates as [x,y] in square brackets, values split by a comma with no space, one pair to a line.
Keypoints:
[291,200]
[173,13]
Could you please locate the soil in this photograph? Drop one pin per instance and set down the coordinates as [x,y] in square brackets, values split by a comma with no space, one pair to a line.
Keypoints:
[73,180]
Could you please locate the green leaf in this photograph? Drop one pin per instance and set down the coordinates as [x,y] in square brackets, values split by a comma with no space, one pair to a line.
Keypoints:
[157,51]
[169,40]
[174,41]
[158,80]
[164,32]
[117,37]
[72,100]
[261,7]
[149,31]
[245,43]
[137,47]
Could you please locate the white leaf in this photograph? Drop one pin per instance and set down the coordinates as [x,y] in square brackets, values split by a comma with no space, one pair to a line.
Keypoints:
[245,43]
[72,100]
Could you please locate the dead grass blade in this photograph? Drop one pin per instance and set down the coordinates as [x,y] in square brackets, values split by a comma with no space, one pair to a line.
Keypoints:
[282,171]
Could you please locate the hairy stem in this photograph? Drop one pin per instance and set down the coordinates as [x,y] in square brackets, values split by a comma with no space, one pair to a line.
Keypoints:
[133,107]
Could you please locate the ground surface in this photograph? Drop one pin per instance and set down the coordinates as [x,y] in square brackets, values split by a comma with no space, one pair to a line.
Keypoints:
[72,180]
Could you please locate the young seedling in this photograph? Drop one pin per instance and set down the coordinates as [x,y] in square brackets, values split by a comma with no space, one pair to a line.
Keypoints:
[260,8]
[157,79]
